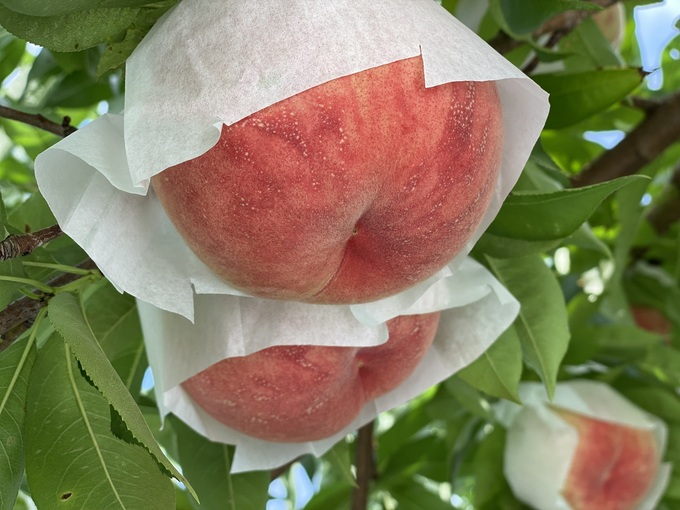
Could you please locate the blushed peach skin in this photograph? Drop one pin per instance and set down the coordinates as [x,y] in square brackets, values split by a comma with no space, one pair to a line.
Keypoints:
[349,192]
[614,465]
[305,393]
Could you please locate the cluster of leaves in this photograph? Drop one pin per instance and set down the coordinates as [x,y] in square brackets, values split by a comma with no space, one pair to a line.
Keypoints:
[77,431]
[78,25]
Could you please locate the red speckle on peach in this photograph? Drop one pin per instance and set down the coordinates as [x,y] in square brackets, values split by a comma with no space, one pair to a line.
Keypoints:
[348,192]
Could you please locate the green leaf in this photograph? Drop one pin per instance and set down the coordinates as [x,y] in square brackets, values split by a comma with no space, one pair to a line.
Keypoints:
[32,215]
[524,17]
[69,32]
[338,458]
[8,290]
[184,501]
[577,96]
[487,465]
[66,316]
[590,48]
[52,8]
[658,401]
[469,397]
[555,215]
[672,492]
[78,90]
[413,496]
[115,323]
[423,455]
[504,247]
[11,267]
[73,460]
[336,496]
[117,52]
[622,338]
[404,428]
[450,5]
[664,363]
[207,465]
[542,323]
[672,453]
[16,363]
[11,51]
[498,371]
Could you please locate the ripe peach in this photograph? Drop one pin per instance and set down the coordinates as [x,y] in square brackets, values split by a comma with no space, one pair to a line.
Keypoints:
[305,393]
[614,465]
[348,192]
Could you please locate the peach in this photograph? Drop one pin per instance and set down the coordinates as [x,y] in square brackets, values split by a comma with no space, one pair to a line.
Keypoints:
[305,393]
[652,320]
[614,465]
[348,192]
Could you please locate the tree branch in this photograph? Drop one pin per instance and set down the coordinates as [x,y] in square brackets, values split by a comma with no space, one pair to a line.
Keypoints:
[64,129]
[641,146]
[365,467]
[19,315]
[666,211]
[19,245]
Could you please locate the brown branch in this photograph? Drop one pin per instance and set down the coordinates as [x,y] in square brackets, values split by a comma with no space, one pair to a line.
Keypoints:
[503,43]
[19,315]
[365,467]
[64,129]
[642,145]
[649,106]
[667,209]
[19,245]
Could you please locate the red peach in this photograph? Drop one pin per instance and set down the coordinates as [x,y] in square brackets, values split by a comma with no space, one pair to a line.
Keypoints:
[652,320]
[305,393]
[348,192]
[614,465]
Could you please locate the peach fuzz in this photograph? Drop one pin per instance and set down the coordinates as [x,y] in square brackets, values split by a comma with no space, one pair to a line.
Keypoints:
[614,465]
[305,393]
[348,192]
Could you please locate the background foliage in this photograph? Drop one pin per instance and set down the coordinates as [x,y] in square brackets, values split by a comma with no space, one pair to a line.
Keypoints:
[580,242]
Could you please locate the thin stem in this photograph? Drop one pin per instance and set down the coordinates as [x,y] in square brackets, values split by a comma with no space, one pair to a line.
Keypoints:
[59,267]
[32,295]
[365,467]
[28,281]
